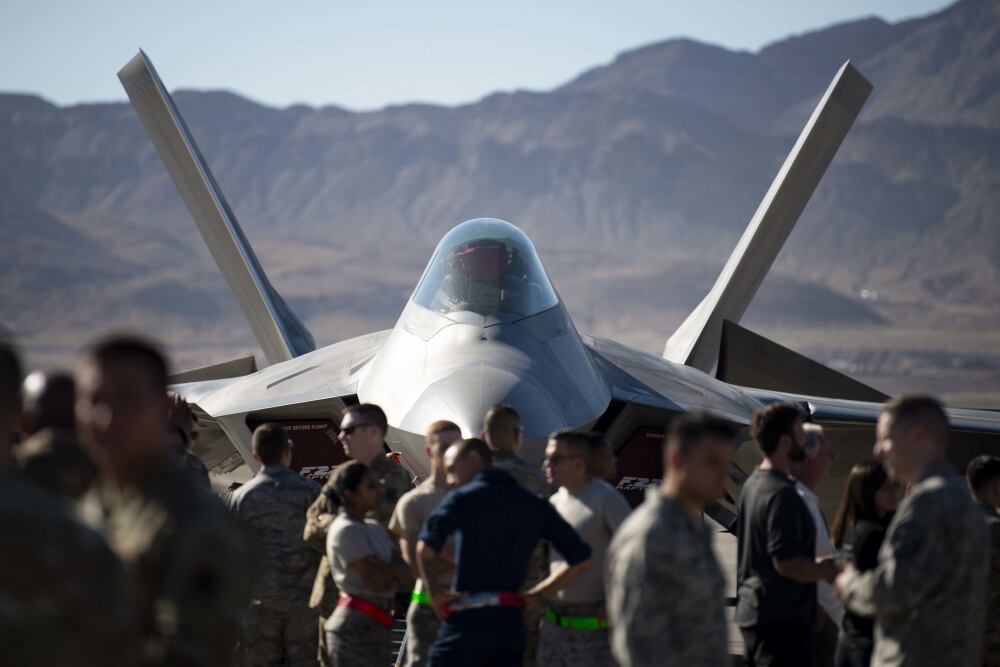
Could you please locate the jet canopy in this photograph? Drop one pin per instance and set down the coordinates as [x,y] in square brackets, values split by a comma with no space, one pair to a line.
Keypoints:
[488,267]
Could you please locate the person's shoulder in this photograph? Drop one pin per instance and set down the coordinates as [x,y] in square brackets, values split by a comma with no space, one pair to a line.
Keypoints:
[291,479]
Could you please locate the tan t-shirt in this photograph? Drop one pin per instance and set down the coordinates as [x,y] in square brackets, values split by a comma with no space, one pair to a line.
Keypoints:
[411,514]
[595,513]
[350,540]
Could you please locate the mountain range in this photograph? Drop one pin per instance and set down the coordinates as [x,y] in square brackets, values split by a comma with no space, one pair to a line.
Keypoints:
[634,180]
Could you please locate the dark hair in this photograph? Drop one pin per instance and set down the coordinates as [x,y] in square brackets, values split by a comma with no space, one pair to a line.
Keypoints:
[773,421]
[371,413]
[858,501]
[10,384]
[347,477]
[579,442]
[130,349]
[270,442]
[49,398]
[982,470]
[690,428]
[499,425]
[475,446]
[927,411]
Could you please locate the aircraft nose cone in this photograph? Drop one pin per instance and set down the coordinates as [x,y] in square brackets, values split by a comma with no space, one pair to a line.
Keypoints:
[465,395]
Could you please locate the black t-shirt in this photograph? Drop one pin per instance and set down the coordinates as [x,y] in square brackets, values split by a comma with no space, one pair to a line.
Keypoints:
[774,525]
[864,547]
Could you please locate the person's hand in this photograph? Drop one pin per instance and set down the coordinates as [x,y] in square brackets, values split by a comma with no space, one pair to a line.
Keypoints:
[841,581]
[533,600]
[829,567]
[441,602]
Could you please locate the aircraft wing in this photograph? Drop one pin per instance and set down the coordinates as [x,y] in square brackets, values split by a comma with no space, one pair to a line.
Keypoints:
[316,384]
[840,411]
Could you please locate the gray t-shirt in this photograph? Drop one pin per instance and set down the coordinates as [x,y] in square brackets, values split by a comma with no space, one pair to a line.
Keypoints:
[595,513]
[350,540]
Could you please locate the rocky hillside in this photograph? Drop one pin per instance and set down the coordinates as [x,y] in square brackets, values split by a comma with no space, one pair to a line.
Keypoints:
[637,177]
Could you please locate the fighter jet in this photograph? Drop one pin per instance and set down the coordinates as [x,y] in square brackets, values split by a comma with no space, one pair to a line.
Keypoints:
[485,325]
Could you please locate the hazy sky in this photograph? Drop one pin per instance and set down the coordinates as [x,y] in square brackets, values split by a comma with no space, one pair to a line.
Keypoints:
[366,54]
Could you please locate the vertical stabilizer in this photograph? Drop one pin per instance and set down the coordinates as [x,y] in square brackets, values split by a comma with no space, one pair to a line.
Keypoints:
[278,331]
[696,342]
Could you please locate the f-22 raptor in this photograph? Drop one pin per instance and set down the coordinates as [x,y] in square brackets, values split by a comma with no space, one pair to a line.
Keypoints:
[484,325]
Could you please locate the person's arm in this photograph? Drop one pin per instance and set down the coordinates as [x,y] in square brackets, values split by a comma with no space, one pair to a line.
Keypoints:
[319,516]
[574,550]
[564,575]
[379,576]
[912,563]
[443,522]
[787,520]
[433,568]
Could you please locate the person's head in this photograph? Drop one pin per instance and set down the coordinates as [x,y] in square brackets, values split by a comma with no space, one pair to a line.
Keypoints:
[440,435]
[49,399]
[356,488]
[502,429]
[271,445]
[362,432]
[10,397]
[121,405]
[869,495]
[465,459]
[602,462]
[566,456]
[983,475]
[813,469]
[912,433]
[777,428]
[698,455]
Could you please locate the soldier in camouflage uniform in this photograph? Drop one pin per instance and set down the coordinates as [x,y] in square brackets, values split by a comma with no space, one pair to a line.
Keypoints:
[362,434]
[185,557]
[502,431]
[62,591]
[983,476]
[422,623]
[278,627]
[665,589]
[51,456]
[926,593]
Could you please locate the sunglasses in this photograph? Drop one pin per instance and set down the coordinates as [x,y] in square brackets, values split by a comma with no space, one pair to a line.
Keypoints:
[353,427]
[553,460]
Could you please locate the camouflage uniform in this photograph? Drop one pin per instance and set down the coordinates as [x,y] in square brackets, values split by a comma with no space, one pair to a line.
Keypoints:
[279,626]
[395,481]
[63,595]
[187,562]
[665,590]
[927,592]
[991,647]
[53,459]
[356,640]
[411,514]
[533,479]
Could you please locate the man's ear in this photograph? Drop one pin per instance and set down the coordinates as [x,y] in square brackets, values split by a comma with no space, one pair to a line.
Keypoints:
[257,459]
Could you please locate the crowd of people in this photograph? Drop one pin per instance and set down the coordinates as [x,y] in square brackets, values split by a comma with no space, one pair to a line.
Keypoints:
[117,552]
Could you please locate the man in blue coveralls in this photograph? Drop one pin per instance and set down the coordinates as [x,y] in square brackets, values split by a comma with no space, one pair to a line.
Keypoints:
[498,524]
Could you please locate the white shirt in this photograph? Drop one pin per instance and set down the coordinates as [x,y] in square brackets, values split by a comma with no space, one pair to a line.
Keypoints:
[595,513]
[827,599]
